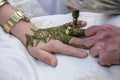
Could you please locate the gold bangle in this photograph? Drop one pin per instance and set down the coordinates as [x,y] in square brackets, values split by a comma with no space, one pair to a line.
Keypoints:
[16,17]
[2,3]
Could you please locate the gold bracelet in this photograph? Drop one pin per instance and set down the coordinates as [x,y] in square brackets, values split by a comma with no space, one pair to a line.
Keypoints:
[16,17]
[2,3]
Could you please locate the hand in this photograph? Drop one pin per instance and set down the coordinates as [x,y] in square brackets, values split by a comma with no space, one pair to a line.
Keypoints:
[45,42]
[104,43]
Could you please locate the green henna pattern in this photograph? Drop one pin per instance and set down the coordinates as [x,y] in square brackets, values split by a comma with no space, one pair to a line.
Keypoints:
[63,33]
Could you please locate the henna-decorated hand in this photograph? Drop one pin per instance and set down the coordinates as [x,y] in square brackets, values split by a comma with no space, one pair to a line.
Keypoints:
[44,42]
[63,33]
[42,51]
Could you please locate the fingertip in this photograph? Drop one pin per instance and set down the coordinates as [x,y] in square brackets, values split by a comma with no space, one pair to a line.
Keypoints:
[93,53]
[103,62]
[53,62]
[83,54]
[83,23]
[92,30]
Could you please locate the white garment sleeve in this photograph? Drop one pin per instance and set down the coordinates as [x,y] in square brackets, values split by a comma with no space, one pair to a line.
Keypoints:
[1,0]
[115,20]
[31,7]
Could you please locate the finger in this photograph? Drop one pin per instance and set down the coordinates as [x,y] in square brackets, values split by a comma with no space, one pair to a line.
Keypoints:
[114,53]
[46,57]
[104,59]
[72,51]
[92,30]
[94,51]
[56,46]
[81,24]
[97,49]
[109,59]
[84,42]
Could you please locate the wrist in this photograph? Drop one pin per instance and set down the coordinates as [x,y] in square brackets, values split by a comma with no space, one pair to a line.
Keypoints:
[3,2]
[5,12]
[21,29]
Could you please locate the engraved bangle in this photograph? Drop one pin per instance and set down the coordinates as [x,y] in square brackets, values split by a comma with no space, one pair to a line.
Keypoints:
[2,3]
[16,17]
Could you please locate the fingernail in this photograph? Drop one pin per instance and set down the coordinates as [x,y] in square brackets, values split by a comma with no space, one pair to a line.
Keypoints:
[83,54]
[53,62]
[84,23]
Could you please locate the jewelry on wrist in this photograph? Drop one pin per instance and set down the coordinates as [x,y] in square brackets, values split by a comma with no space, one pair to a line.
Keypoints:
[16,17]
[3,2]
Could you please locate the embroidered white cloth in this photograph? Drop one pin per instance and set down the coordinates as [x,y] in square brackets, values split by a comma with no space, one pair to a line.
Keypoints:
[17,64]
[31,7]
[109,7]
[53,6]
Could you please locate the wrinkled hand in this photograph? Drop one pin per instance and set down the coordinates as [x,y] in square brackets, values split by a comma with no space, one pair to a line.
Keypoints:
[104,43]
[45,42]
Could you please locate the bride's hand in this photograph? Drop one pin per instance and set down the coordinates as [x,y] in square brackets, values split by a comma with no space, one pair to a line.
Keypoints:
[63,33]
[45,42]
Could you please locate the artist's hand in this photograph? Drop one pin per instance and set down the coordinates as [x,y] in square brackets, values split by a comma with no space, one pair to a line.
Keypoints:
[104,43]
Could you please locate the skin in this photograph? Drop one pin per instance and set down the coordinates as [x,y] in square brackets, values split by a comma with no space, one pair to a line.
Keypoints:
[103,42]
[63,33]
[43,51]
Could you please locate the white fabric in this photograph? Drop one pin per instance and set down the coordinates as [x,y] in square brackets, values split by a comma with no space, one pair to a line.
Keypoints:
[17,64]
[31,7]
[53,6]
[1,0]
